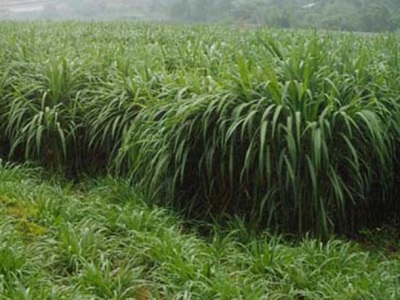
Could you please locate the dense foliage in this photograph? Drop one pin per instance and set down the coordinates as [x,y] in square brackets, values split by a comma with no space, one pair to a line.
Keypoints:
[295,131]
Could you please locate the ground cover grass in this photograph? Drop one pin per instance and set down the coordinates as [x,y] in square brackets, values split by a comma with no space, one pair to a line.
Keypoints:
[101,240]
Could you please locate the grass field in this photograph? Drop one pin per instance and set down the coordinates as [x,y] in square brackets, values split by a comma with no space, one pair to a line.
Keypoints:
[234,160]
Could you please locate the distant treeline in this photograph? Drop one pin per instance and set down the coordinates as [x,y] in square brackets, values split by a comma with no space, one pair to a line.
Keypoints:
[352,15]
[357,15]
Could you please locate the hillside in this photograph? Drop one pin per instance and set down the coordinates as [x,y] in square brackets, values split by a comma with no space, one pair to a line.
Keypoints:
[352,15]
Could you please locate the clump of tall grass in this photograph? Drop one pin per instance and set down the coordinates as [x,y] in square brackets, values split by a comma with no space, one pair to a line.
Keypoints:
[291,142]
[41,111]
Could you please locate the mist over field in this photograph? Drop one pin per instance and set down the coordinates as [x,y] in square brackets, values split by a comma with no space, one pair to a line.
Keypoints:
[351,15]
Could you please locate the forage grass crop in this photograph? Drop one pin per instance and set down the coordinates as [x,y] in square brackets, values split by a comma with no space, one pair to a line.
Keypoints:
[295,131]
[290,142]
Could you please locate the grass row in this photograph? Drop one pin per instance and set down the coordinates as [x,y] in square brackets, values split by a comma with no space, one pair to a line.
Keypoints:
[100,240]
[296,131]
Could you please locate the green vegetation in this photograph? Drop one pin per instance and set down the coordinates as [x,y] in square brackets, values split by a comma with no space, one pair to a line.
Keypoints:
[99,240]
[291,131]
[269,143]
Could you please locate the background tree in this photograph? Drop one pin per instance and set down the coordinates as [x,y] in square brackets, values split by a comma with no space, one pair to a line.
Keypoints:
[356,15]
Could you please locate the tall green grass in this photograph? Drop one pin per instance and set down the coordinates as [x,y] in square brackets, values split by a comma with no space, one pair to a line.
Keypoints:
[295,131]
